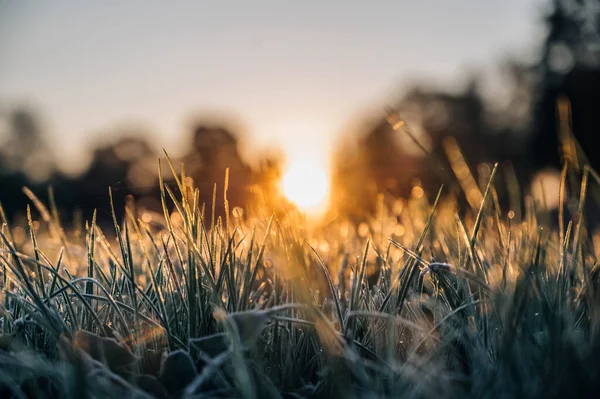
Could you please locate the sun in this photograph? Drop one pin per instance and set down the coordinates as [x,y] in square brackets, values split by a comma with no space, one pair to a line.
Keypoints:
[306,184]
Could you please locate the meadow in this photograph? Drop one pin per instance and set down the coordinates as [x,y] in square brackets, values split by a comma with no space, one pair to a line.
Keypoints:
[425,299]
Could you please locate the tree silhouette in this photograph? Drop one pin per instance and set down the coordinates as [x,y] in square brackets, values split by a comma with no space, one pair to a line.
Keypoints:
[215,149]
[569,69]
[25,150]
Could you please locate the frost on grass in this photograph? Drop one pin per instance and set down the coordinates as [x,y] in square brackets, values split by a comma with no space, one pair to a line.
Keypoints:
[455,303]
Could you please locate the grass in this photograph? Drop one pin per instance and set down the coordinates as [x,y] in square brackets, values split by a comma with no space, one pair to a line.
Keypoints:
[187,304]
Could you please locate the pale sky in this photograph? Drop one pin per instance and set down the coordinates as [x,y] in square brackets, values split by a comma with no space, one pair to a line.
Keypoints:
[292,72]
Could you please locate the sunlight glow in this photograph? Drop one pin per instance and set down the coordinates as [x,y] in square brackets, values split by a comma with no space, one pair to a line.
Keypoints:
[306,184]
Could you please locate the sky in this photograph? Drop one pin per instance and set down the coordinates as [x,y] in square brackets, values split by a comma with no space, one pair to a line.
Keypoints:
[293,73]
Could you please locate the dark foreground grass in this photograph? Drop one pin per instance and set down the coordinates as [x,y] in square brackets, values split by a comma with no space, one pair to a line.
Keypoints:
[189,305]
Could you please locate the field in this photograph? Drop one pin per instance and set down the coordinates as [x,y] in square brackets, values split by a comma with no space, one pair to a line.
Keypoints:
[424,300]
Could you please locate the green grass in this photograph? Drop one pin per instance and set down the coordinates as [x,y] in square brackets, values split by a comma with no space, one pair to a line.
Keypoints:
[193,305]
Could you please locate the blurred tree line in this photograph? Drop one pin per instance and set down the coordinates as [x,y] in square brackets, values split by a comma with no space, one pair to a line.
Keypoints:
[430,137]
[129,166]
